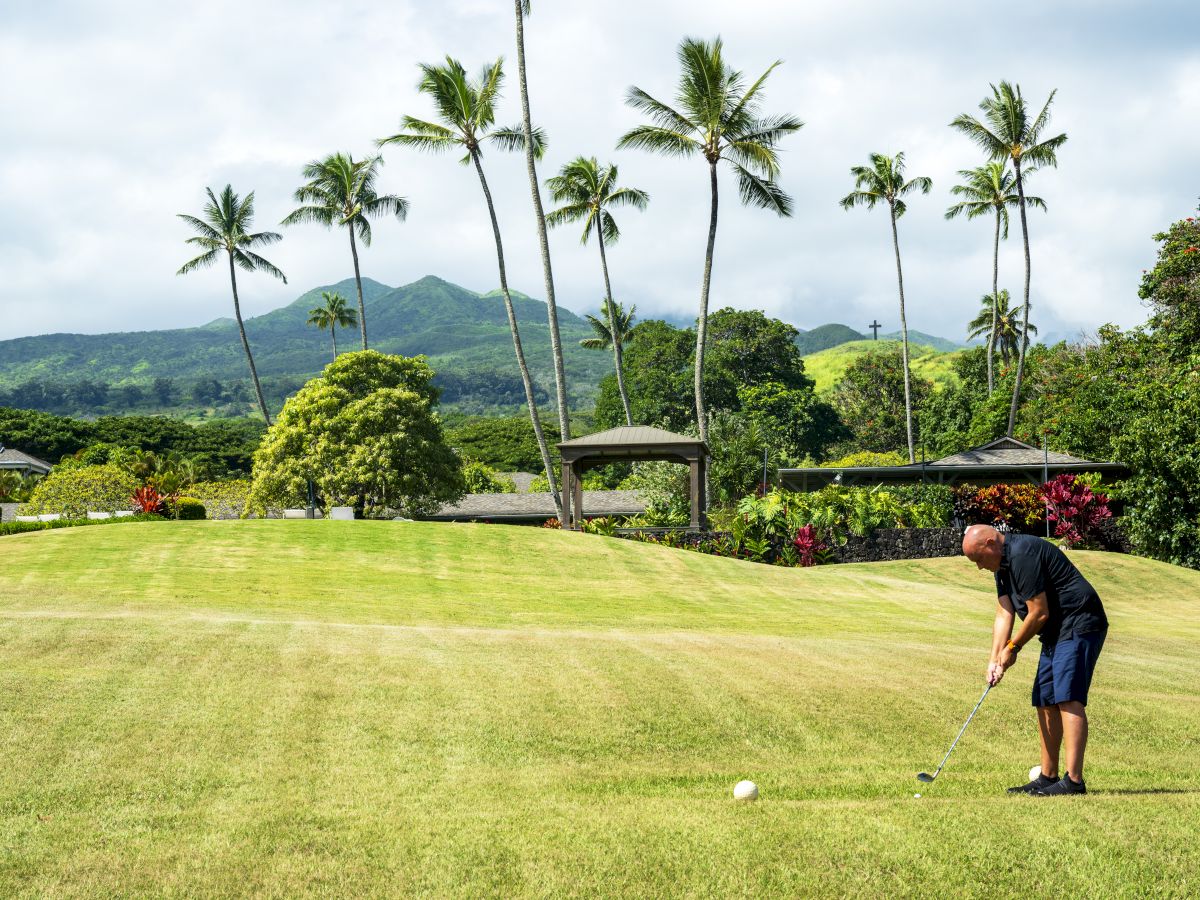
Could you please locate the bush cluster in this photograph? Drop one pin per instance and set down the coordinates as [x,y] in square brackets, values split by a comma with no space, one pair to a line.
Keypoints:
[73,493]
[22,527]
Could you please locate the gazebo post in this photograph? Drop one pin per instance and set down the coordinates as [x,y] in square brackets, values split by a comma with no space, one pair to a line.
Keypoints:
[576,498]
[565,492]
[697,491]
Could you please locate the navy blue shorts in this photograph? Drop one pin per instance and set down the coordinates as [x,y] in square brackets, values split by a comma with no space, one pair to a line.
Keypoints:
[1065,669]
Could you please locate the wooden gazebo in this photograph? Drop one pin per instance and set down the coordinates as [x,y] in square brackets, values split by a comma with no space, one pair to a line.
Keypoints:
[638,443]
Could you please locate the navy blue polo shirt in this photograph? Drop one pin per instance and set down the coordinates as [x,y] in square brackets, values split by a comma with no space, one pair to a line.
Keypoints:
[1030,566]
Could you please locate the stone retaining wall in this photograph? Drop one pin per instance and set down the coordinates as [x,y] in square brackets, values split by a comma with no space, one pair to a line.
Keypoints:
[8,511]
[901,543]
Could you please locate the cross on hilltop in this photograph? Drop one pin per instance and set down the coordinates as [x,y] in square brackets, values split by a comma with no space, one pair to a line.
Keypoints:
[874,326]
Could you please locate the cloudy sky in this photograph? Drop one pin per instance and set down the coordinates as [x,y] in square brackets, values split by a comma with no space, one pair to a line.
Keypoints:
[114,116]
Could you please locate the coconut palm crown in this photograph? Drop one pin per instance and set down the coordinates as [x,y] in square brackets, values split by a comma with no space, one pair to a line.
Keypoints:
[341,192]
[716,116]
[332,314]
[883,182]
[1007,132]
[1000,323]
[225,227]
[606,334]
[467,109]
[588,191]
[990,189]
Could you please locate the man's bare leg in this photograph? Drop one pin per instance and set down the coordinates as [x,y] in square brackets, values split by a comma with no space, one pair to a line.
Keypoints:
[1050,730]
[1073,728]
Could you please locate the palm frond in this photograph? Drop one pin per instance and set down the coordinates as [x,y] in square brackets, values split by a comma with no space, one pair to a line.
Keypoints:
[512,138]
[252,262]
[317,215]
[659,140]
[635,197]
[659,113]
[204,260]
[204,228]
[762,192]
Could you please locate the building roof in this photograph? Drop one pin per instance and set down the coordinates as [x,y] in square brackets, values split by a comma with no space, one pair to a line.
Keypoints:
[15,459]
[532,507]
[1002,460]
[632,436]
[1007,451]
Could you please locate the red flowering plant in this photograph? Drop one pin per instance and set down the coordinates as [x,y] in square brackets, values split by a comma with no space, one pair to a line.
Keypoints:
[810,549]
[147,500]
[1019,507]
[1077,511]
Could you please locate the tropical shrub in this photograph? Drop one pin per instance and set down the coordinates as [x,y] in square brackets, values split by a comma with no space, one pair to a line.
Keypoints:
[23,527]
[147,500]
[867,458]
[1078,512]
[1019,507]
[222,499]
[185,509]
[17,488]
[74,493]
[483,479]
[808,546]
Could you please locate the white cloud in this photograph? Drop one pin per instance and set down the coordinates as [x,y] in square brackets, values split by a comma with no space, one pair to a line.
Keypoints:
[115,117]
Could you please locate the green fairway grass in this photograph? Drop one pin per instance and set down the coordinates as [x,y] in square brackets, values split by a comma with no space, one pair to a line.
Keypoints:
[398,709]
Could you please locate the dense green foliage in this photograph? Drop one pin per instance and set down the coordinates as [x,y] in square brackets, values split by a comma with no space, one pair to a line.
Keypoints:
[75,492]
[222,499]
[25,527]
[367,434]
[870,401]
[483,479]
[506,443]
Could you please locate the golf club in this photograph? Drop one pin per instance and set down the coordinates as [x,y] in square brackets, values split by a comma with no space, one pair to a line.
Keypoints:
[925,776]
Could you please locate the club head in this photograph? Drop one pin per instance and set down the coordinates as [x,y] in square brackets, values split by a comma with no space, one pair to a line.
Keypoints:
[925,777]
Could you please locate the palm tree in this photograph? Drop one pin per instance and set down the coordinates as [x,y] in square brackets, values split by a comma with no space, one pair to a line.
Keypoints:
[532,153]
[1001,324]
[613,332]
[226,226]
[883,182]
[467,109]
[332,315]
[342,192]
[1010,134]
[587,191]
[989,190]
[718,118]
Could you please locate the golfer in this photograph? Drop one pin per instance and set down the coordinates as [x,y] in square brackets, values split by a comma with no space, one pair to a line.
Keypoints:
[1036,582]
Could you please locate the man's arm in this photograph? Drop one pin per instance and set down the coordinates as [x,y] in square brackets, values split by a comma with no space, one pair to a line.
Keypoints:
[1001,630]
[1035,618]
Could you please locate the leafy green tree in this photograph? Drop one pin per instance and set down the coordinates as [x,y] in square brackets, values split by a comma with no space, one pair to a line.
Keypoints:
[467,109]
[883,182]
[1008,133]
[43,434]
[225,226]
[533,144]
[73,492]
[988,190]
[718,118]
[588,192]
[1002,326]
[506,443]
[332,315]
[613,331]
[483,479]
[367,433]
[341,191]
[872,400]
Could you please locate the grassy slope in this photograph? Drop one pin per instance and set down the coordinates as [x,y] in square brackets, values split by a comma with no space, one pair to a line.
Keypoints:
[828,366]
[368,708]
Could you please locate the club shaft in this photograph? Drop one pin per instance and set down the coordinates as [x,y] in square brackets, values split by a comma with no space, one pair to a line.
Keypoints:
[962,730]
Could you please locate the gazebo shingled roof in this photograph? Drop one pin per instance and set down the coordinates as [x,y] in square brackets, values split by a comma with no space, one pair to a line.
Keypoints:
[16,460]
[630,443]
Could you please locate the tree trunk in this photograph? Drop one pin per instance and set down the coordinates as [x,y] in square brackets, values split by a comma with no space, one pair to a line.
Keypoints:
[991,346]
[912,456]
[362,310]
[612,325]
[237,312]
[333,335]
[560,377]
[702,318]
[543,448]
[1023,337]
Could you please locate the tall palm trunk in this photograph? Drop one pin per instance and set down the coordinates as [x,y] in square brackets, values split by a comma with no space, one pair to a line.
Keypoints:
[991,346]
[912,456]
[237,313]
[543,448]
[612,327]
[362,310]
[1024,336]
[702,319]
[333,335]
[560,377]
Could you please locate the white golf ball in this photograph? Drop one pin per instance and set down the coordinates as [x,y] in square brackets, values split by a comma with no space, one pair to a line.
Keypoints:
[745,790]
[1035,773]
[916,796]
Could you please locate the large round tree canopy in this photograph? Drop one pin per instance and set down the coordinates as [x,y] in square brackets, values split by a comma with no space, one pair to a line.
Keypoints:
[367,434]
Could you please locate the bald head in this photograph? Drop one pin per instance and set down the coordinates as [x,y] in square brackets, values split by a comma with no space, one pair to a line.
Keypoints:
[983,545]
